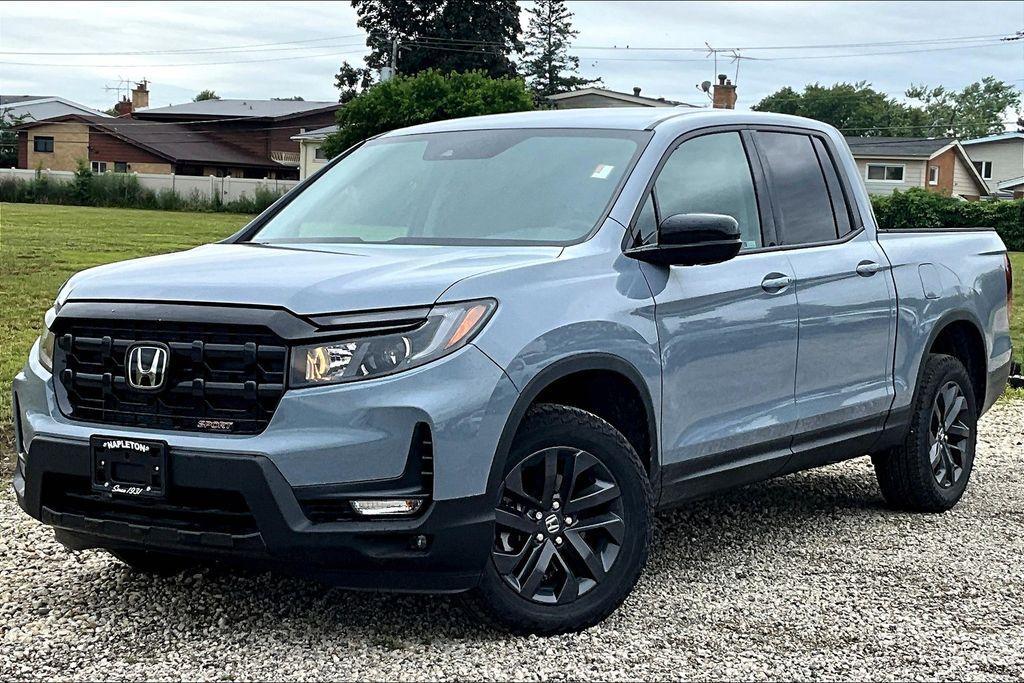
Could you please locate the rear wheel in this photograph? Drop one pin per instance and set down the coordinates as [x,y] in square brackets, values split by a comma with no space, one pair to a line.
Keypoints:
[930,470]
[572,524]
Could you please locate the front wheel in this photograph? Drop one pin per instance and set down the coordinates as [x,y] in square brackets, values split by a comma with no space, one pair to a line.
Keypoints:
[930,470]
[572,524]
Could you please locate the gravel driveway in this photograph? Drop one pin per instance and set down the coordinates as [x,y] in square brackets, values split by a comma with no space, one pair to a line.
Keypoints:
[807,577]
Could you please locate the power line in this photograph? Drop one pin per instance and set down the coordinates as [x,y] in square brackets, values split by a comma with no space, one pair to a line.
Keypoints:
[185,50]
[164,66]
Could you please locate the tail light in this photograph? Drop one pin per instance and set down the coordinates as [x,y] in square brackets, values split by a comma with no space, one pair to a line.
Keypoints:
[1009,287]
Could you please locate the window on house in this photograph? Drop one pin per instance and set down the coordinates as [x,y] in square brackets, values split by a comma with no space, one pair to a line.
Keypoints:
[120,167]
[984,168]
[319,155]
[933,175]
[43,144]
[99,167]
[889,173]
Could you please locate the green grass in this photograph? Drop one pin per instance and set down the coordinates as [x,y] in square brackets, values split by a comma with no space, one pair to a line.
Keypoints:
[41,246]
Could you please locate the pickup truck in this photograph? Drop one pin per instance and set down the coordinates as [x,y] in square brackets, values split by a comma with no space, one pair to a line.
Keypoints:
[479,355]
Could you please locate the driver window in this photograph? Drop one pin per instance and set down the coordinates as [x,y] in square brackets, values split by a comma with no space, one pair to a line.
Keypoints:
[711,174]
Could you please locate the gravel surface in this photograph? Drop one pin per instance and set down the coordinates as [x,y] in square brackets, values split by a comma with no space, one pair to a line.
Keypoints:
[805,577]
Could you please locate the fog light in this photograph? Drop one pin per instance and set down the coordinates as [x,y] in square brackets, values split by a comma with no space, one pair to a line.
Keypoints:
[373,508]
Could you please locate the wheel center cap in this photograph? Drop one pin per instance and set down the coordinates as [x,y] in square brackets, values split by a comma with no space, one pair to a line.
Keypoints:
[553,524]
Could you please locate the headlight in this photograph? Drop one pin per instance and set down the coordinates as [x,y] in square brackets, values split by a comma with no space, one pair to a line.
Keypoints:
[46,341]
[448,327]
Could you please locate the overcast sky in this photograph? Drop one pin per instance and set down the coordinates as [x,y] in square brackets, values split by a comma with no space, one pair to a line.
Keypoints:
[113,29]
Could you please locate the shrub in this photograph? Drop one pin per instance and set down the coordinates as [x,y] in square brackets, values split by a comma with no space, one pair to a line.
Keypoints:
[919,208]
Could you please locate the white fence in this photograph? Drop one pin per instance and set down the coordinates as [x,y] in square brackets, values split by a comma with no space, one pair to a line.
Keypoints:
[228,188]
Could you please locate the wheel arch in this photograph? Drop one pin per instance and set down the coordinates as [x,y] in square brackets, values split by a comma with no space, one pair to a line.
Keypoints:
[959,334]
[560,374]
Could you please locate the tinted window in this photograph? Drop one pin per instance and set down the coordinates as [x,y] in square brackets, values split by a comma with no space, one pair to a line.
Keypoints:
[803,210]
[480,187]
[710,174]
[840,205]
[43,144]
[646,223]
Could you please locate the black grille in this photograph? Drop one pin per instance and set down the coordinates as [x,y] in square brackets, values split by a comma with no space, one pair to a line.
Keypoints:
[185,509]
[219,378]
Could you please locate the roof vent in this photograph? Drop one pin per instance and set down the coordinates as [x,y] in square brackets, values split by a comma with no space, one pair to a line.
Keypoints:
[636,91]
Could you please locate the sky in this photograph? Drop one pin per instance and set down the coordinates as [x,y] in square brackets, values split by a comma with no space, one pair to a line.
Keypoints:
[261,39]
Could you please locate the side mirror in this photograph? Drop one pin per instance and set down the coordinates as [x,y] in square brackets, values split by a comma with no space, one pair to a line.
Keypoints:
[691,239]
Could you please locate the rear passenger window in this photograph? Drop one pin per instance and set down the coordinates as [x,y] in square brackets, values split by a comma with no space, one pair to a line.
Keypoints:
[711,174]
[803,208]
[840,205]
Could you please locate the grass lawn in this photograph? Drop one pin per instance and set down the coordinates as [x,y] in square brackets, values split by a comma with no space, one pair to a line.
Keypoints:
[42,246]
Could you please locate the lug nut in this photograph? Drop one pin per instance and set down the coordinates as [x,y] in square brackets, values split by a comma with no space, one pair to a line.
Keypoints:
[558,540]
[568,520]
[540,537]
[556,505]
[538,515]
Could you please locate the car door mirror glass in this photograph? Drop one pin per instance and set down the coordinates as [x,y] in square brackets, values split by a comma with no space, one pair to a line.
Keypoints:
[689,239]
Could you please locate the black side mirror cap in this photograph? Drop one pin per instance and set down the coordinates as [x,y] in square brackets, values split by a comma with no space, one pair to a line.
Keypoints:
[690,239]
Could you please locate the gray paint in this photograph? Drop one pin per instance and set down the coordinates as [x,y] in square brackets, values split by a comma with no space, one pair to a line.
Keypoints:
[728,367]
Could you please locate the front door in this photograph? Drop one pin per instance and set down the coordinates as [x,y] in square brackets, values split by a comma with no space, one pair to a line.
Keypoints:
[728,331]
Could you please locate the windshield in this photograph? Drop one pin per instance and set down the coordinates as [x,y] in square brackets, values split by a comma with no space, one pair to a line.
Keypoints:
[467,187]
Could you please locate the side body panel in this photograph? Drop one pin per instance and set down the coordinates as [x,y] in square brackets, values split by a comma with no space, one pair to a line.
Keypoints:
[964,281]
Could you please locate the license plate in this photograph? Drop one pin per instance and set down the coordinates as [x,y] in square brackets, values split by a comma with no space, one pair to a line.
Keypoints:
[129,467]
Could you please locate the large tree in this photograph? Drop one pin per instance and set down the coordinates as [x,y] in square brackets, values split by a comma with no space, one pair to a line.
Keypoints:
[858,109]
[206,95]
[547,64]
[425,97]
[978,110]
[9,138]
[447,35]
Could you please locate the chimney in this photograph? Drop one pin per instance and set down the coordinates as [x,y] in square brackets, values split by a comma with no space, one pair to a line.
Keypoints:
[124,107]
[140,95]
[636,91]
[724,96]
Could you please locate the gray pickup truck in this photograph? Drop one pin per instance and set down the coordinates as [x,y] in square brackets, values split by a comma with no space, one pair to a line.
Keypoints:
[480,354]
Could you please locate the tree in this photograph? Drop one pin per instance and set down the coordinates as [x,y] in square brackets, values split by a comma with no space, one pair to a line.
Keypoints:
[9,138]
[857,109]
[352,80]
[854,108]
[447,35]
[206,95]
[547,64]
[428,96]
[293,98]
[978,110]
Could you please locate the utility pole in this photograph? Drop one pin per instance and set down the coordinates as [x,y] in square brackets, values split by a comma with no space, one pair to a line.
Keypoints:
[392,68]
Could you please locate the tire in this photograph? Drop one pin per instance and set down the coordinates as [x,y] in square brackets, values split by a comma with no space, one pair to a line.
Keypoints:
[593,558]
[155,563]
[930,470]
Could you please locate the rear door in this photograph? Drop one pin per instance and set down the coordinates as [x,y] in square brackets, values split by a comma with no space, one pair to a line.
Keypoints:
[728,331]
[845,294]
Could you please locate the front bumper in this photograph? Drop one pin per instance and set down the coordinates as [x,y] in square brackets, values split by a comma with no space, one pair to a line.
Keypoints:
[270,529]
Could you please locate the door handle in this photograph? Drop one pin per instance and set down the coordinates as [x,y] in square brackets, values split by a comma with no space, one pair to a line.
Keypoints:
[868,268]
[776,282]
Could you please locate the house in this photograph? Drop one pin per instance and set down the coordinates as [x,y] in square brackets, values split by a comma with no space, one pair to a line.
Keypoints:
[28,108]
[936,164]
[311,157]
[259,127]
[240,138]
[126,145]
[1000,161]
[588,98]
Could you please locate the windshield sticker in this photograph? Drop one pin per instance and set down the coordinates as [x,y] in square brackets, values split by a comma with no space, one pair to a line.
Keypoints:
[602,171]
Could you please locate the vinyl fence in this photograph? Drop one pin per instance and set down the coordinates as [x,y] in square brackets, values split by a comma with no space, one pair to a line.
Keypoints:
[227,188]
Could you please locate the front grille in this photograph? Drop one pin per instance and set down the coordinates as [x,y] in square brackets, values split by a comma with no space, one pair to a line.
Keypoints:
[185,509]
[219,378]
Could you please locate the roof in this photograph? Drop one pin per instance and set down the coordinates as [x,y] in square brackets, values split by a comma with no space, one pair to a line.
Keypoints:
[1011,182]
[41,107]
[898,147]
[1008,135]
[316,134]
[172,141]
[270,109]
[616,95]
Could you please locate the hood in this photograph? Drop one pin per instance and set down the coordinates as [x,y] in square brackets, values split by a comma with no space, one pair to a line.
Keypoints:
[305,279]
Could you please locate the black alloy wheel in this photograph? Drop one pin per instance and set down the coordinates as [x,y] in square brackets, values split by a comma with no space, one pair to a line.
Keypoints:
[949,435]
[559,525]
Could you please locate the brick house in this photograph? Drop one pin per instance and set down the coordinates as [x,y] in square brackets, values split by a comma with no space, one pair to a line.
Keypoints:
[935,164]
